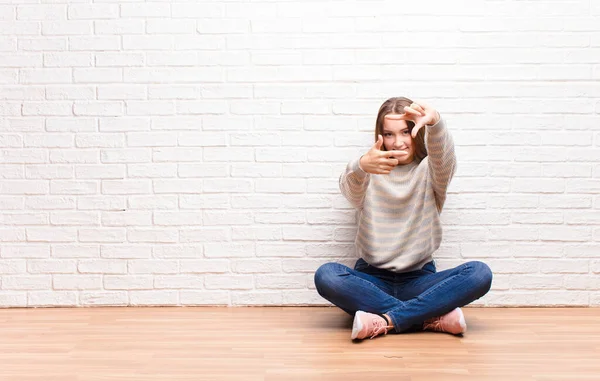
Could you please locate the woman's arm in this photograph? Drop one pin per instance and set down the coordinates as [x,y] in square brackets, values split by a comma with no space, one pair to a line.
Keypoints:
[353,184]
[440,146]
[442,159]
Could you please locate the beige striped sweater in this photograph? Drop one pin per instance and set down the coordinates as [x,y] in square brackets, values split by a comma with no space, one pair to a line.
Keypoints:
[399,225]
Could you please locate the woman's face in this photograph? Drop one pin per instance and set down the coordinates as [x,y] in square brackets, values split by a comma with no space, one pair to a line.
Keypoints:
[396,136]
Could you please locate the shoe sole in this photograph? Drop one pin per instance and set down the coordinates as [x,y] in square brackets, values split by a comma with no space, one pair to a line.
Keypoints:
[462,322]
[357,326]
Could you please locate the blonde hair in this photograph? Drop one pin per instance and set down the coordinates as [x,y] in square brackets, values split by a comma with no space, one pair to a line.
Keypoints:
[396,106]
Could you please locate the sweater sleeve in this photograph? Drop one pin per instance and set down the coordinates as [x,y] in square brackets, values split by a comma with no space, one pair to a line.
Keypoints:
[442,160]
[353,183]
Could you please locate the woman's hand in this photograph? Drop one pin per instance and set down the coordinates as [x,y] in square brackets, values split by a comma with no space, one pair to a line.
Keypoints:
[379,162]
[419,113]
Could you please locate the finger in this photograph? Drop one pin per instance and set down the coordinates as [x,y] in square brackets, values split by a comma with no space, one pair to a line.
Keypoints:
[418,107]
[390,163]
[397,153]
[384,154]
[379,143]
[416,129]
[398,117]
[411,111]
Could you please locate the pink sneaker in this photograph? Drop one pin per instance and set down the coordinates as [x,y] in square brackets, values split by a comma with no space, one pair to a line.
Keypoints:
[368,325]
[453,322]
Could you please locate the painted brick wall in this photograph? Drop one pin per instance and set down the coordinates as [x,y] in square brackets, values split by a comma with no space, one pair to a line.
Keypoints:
[188,153]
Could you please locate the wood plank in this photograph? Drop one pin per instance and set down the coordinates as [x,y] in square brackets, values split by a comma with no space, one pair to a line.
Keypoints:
[291,343]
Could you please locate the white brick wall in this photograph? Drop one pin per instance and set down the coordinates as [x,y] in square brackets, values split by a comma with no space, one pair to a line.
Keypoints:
[187,153]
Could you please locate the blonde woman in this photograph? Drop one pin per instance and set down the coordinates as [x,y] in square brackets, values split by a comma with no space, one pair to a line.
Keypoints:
[399,187]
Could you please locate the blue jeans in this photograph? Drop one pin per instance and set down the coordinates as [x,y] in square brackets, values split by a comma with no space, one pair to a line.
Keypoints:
[407,298]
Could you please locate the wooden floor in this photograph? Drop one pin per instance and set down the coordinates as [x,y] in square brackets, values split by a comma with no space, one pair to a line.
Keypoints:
[301,343]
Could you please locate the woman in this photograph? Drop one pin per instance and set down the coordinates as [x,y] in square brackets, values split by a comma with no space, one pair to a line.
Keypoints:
[399,186]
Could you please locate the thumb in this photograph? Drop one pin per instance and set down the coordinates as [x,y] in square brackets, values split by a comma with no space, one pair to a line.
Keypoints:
[379,143]
[416,129]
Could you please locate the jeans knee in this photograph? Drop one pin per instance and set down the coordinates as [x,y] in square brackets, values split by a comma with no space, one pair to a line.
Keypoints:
[326,276]
[483,275]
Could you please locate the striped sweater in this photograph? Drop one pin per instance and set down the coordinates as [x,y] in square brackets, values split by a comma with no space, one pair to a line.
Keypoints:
[399,225]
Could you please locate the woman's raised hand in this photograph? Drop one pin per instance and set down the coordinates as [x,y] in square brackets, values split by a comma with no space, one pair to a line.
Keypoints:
[419,113]
[379,162]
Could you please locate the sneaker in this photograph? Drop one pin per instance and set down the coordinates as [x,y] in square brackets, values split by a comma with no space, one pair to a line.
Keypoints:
[453,322]
[368,325]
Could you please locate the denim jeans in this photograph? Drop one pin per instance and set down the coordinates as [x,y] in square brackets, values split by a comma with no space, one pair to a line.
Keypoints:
[407,298]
